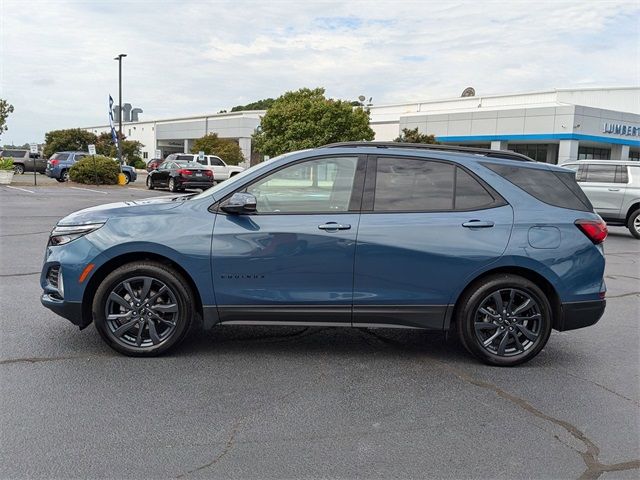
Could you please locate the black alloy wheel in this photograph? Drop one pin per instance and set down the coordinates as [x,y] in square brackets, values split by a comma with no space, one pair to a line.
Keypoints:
[505,320]
[143,309]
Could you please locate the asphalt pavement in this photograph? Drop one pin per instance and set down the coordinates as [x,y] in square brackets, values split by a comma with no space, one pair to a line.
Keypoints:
[258,402]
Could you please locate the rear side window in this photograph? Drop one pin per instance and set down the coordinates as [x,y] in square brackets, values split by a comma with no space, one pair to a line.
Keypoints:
[60,156]
[555,188]
[14,153]
[469,193]
[413,185]
[603,174]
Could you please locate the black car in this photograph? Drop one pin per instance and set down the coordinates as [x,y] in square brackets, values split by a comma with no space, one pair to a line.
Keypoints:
[178,175]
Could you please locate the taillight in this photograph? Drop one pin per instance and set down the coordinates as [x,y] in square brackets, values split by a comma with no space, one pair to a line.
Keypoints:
[208,173]
[54,162]
[184,171]
[595,230]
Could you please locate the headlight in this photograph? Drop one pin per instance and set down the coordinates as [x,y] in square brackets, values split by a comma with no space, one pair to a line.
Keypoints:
[65,234]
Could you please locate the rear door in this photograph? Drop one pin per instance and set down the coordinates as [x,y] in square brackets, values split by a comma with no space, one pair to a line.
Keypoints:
[605,186]
[425,227]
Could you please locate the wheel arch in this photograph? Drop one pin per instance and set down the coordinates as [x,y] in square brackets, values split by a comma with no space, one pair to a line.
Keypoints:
[539,280]
[101,273]
[635,206]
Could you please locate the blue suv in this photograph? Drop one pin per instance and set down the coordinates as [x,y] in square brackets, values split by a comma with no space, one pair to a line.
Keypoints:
[488,245]
[59,164]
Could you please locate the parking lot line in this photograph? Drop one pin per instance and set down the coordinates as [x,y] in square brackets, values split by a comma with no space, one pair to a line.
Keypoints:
[18,188]
[89,190]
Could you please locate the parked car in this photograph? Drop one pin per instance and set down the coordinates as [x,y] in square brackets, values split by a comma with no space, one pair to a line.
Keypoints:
[487,245]
[153,164]
[60,162]
[221,171]
[613,187]
[179,175]
[24,161]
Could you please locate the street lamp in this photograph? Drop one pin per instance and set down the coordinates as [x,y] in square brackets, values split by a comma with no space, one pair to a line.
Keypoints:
[119,59]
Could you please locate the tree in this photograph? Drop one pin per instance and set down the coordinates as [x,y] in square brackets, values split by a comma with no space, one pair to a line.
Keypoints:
[131,149]
[69,139]
[414,136]
[5,109]
[263,104]
[307,119]
[226,149]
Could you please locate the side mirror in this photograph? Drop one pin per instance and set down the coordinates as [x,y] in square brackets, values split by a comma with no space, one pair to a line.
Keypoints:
[240,203]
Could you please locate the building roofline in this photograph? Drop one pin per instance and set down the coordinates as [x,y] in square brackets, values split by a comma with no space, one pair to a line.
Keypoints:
[499,95]
[189,117]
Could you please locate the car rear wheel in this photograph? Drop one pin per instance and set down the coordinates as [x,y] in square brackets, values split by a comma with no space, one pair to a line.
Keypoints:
[150,183]
[172,185]
[143,309]
[64,176]
[18,168]
[634,224]
[505,320]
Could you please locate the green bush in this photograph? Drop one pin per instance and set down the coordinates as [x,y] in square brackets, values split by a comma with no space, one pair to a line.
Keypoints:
[6,163]
[85,171]
[136,162]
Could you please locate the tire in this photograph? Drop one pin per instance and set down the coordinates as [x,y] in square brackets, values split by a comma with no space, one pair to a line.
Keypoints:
[172,185]
[634,224]
[18,168]
[64,176]
[510,341]
[127,178]
[135,328]
[149,183]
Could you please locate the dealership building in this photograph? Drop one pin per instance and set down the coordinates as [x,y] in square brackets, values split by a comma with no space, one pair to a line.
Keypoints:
[554,126]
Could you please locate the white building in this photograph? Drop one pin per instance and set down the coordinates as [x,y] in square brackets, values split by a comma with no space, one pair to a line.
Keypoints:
[553,126]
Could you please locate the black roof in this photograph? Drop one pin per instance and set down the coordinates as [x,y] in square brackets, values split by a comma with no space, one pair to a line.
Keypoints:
[486,152]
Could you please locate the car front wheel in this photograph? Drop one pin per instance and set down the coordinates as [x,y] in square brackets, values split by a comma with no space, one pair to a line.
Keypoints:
[149,183]
[505,320]
[143,309]
[172,185]
[127,178]
[634,224]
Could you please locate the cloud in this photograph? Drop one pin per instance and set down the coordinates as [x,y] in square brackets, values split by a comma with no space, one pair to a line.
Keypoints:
[192,57]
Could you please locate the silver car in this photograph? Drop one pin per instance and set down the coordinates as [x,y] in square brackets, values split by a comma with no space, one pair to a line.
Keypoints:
[613,187]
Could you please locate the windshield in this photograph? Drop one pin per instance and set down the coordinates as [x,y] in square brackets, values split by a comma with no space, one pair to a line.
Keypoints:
[212,191]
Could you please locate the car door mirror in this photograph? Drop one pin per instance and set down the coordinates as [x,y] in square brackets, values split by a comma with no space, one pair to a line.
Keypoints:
[240,203]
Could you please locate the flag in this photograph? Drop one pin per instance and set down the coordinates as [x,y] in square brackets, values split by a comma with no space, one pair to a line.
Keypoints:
[114,137]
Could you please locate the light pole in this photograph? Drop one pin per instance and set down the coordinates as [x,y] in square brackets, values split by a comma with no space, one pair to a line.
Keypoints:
[119,59]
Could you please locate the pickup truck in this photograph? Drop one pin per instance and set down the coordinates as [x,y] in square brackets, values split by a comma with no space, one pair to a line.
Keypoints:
[23,161]
[60,162]
[221,171]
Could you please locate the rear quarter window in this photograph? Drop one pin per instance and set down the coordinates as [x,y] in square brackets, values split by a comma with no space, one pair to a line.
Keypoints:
[549,186]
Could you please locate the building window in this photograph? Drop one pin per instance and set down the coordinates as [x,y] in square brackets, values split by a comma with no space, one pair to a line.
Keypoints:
[145,155]
[129,132]
[590,153]
[537,151]
[634,155]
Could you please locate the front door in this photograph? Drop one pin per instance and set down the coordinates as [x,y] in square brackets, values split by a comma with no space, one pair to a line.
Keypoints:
[291,261]
[425,228]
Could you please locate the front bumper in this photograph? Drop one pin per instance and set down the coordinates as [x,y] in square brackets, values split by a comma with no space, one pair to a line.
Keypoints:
[580,314]
[72,311]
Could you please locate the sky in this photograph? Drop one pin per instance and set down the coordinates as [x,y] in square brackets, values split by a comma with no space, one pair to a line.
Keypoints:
[195,57]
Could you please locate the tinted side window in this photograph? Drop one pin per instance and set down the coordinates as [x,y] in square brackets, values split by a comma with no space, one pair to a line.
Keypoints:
[184,157]
[470,194]
[413,185]
[215,161]
[60,156]
[600,173]
[621,174]
[554,188]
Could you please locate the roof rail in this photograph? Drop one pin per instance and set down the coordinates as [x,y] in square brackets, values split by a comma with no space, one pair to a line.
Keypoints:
[506,154]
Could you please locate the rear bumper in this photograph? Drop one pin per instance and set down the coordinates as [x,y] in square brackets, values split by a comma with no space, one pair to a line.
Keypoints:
[195,184]
[580,314]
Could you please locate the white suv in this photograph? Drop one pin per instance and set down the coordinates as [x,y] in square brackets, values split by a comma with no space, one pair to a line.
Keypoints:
[221,171]
[613,187]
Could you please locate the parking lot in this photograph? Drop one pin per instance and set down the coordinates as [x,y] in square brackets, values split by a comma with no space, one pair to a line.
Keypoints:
[257,402]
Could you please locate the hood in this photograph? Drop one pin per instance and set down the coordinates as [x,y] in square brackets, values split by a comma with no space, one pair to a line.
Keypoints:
[102,213]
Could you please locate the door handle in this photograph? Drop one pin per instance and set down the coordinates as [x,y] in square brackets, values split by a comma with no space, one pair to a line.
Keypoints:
[331,226]
[614,189]
[478,224]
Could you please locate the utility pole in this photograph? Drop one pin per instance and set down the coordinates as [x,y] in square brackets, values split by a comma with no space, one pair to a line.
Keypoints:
[119,59]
